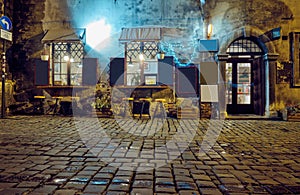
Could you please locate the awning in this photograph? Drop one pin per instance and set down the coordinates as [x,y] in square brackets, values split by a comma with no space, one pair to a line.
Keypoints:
[149,33]
[66,34]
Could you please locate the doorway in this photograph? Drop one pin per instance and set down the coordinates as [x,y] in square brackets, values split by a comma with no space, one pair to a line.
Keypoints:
[239,89]
[244,78]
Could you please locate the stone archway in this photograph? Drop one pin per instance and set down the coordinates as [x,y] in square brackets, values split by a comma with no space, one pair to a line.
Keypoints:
[267,61]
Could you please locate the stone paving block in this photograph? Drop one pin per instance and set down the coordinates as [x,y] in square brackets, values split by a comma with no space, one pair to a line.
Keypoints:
[65,174]
[116,193]
[277,189]
[123,187]
[85,172]
[28,184]
[241,167]
[142,184]
[203,167]
[210,191]
[205,184]
[183,178]
[14,191]
[96,189]
[124,173]
[7,185]
[39,167]
[186,186]
[136,191]
[254,189]
[181,172]
[65,192]
[122,179]
[45,189]
[188,192]
[75,185]
[111,170]
[294,189]
[223,167]
[163,174]
[143,177]
[230,181]
[165,189]
[57,181]
[201,177]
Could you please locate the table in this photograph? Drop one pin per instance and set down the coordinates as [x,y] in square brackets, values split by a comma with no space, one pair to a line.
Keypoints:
[64,90]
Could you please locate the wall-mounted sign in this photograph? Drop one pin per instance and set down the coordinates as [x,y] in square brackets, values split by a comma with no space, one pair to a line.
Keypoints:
[6,35]
[276,33]
[208,45]
[5,23]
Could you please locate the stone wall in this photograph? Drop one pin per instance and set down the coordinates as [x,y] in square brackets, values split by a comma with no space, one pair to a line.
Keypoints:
[26,16]
[32,18]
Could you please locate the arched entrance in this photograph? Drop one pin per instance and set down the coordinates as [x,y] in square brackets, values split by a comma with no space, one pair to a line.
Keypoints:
[245,77]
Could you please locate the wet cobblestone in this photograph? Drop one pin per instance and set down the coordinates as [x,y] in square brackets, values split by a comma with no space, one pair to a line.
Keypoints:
[53,155]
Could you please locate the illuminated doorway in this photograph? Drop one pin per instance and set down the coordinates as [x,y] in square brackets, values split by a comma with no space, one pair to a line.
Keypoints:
[245,78]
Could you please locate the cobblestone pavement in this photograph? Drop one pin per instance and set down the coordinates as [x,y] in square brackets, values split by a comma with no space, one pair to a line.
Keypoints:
[57,155]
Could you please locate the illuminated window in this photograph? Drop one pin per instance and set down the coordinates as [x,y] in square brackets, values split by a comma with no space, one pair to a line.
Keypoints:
[141,60]
[67,63]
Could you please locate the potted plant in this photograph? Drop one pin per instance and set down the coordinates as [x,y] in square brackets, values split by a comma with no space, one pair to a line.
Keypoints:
[280,109]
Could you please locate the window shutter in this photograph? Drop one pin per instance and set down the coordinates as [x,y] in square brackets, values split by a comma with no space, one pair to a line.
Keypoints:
[116,73]
[41,76]
[187,84]
[165,71]
[89,71]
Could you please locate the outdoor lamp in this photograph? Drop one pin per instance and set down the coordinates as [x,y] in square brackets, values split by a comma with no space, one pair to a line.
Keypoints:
[66,58]
[130,62]
[141,57]
[141,54]
[44,55]
[209,30]
[160,54]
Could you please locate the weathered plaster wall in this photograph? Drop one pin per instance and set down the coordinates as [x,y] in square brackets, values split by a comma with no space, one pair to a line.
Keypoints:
[27,32]
[289,23]
[232,19]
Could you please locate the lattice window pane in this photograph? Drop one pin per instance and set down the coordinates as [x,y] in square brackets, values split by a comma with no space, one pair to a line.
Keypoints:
[244,46]
[64,53]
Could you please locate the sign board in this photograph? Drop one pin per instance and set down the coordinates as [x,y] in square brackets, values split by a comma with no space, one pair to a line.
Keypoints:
[5,23]
[208,45]
[209,93]
[276,33]
[6,35]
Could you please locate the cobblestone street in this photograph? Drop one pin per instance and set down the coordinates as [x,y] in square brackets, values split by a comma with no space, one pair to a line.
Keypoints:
[69,155]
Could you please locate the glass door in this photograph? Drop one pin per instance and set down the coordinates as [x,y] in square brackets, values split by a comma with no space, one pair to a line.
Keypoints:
[239,88]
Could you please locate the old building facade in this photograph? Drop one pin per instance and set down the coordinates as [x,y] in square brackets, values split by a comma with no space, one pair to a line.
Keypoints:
[257,56]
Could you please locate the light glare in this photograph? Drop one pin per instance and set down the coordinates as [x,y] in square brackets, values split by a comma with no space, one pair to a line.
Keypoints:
[97,32]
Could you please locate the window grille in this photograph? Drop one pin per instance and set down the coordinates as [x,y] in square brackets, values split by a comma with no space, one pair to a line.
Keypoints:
[244,46]
[148,49]
[67,63]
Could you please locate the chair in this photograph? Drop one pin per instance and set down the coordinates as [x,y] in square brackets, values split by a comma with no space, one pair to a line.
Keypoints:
[54,108]
[141,107]
[38,107]
[159,109]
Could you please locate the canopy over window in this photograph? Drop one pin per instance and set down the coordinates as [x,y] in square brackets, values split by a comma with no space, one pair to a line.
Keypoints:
[149,34]
[66,34]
